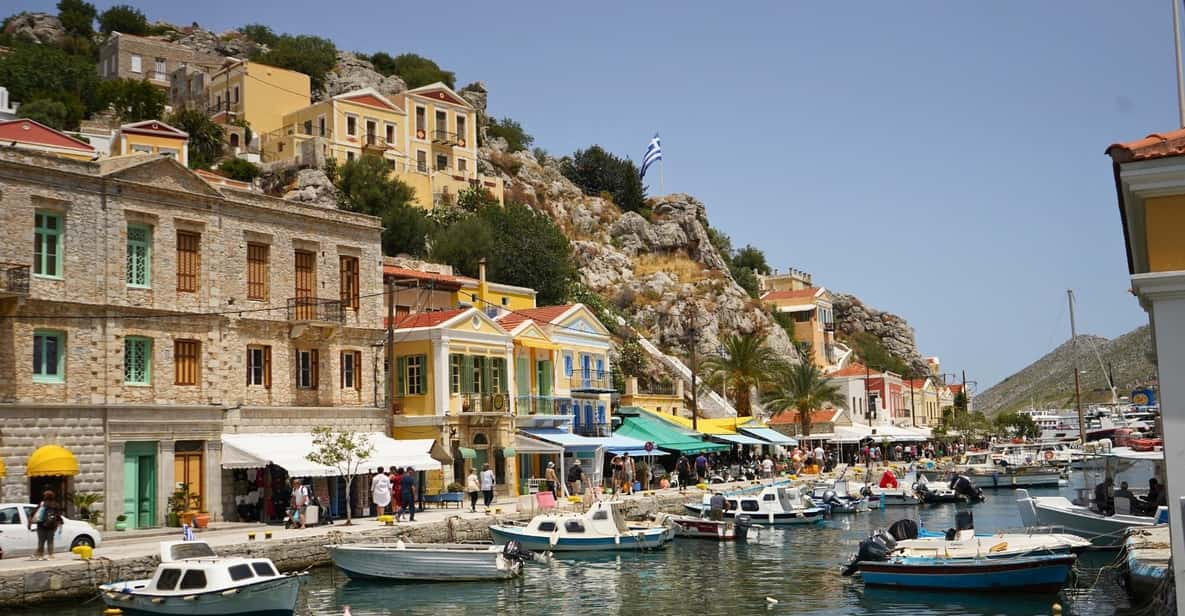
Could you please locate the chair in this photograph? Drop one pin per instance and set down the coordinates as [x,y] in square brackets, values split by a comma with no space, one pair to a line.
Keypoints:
[545,500]
[1123,505]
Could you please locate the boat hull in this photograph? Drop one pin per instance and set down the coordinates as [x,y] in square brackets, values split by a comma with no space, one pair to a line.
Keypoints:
[806,516]
[643,540]
[1102,531]
[697,528]
[1033,573]
[419,563]
[271,597]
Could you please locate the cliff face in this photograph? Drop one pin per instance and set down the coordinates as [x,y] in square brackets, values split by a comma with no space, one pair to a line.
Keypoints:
[894,333]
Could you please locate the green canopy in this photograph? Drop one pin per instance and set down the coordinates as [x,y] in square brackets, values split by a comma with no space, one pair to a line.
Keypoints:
[665,435]
[467,453]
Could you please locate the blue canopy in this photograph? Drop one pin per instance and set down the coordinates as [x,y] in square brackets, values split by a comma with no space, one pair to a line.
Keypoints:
[559,436]
[737,439]
[770,435]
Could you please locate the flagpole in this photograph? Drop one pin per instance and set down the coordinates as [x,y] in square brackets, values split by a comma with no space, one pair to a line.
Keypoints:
[662,185]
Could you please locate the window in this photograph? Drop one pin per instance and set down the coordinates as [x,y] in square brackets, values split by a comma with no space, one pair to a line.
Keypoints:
[749,505]
[259,366]
[321,126]
[263,569]
[351,125]
[236,96]
[142,149]
[390,128]
[441,162]
[349,282]
[137,360]
[546,527]
[168,579]
[567,363]
[186,361]
[139,256]
[170,152]
[194,579]
[136,67]
[257,271]
[415,375]
[372,131]
[601,515]
[10,515]
[421,161]
[462,164]
[349,156]
[189,260]
[497,371]
[421,120]
[441,125]
[461,130]
[48,356]
[240,572]
[160,70]
[351,378]
[454,371]
[306,369]
[574,526]
[218,102]
[47,245]
[477,384]
[307,127]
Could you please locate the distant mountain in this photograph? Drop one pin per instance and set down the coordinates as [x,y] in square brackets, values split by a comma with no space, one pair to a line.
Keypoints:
[1049,381]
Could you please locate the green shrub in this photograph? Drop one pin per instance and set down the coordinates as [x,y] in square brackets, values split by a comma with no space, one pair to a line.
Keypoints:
[516,138]
[49,112]
[125,19]
[365,185]
[595,170]
[239,169]
[260,34]
[872,352]
[133,99]
[311,55]
[417,71]
[383,63]
[205,137]
[31,71]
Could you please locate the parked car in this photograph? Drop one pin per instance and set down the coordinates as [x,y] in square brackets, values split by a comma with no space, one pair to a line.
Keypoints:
[17,540]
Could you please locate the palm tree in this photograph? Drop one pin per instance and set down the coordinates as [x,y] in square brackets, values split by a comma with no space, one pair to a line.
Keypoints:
[801,387]
[745,363]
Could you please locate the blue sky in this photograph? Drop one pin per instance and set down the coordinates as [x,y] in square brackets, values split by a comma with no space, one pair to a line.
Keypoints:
[941,160]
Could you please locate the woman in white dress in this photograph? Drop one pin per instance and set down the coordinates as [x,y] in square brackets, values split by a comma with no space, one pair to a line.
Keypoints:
[380,491]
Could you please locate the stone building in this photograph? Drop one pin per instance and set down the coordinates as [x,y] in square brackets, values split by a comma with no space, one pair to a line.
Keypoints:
[126,56]
[145,312]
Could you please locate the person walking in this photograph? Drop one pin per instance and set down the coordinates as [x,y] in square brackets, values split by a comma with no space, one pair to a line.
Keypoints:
[576,478]
[767,468]
[407,494]
[298,500]
[553,481]
[380,491]
[644,475]
[47,517]
[628,472]
[682,472]
[396,479]
[487,485]
[473,487]
[701,468]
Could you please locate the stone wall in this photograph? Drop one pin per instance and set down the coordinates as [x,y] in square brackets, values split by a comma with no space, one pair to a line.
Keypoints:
[23,430]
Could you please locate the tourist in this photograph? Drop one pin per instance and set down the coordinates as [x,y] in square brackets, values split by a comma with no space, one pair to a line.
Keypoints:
[718,505]
[615,473]
[628,471]
[1103,501]
[767,468]
[553,481]
[396,478]
[888,479]
[407,494]
[473,487]
[576,478]
[380,491]
[682,472]
[47,517]
[1124,492]
[299,499]
[701,468]
[819,453]
[644,475]
[487,485]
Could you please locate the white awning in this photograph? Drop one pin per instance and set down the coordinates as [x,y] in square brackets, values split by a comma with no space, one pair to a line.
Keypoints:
[797,308]
[289,451]
[524,444]
[857,432]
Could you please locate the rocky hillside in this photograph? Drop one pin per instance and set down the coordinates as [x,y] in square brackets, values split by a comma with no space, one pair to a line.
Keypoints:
[894,334]
[1049,381]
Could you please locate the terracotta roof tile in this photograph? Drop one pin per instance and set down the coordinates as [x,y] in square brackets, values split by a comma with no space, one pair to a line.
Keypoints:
[429,319]
[791,417]
[402,272]
[1156,145]
[854,370]
[807,293]
[24,130]
[545,314]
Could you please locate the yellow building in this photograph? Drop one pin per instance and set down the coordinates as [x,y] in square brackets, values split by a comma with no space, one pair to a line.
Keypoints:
[493,297]
[258,94]
[452,370]
[814,322]
[344,127]
[667,401]
[151,137]
[920,396]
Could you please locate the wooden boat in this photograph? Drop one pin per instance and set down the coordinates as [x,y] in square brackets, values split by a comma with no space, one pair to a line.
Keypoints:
[600,528]
[702,528]
[1102,530]
[1146,555]
[772,505]
[192,580]
[422,562]
[1037,573]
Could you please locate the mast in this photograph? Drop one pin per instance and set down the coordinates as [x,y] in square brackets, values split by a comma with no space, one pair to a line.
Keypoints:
[1074,361]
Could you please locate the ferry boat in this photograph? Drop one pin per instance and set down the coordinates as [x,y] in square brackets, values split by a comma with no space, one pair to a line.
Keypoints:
[192,580]
[601,528]
[772,505]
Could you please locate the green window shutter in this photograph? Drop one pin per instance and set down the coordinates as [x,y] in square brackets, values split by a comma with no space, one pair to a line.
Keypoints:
[545,377]
[423,380]
[487,375]
[401,375]
[522,376]
[502,376]
[466,374]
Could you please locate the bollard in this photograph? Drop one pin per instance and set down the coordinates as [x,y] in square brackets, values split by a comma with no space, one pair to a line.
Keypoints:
[267,535]
[1057,609]
[250,536]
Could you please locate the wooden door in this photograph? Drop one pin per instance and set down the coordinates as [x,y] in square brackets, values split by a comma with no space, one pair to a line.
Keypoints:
[306,283]
[187,468]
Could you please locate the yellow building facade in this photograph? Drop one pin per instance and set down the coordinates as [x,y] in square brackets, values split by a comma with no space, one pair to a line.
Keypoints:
[344,127]
[259,94]
[151,137]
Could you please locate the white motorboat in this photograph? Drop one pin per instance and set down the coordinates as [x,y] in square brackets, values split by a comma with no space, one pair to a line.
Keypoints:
[697,527]
[979,467]
[773,505]
[424,562]
[194,581]
[836,497]
[602,527]
[1102,530]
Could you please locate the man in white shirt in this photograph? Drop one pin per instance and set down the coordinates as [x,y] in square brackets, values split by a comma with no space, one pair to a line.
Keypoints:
[819,454]
[487,485]
[380,491]
[767,468]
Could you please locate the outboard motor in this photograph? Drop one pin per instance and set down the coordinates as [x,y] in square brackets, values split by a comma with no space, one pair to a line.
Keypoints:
[831,499]
[904,529]
[875,548]
[513,550]
[743,523]
[962,484]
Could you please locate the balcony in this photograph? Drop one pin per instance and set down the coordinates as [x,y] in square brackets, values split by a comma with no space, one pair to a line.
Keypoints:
[829,327]
[537,405]
[485,403]
[14,280]
[594,430]
[591,381]
[374,143]
[313,310]
[444,137]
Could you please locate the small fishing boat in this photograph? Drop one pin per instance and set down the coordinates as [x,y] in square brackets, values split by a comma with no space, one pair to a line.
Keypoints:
[1106,531]
[835,496]
[891,497]
[702,528]
[602,527]
[1036,573]
[934,493]
[964,542]
[429,562]
[192,580]
[1000,474]
[772,505]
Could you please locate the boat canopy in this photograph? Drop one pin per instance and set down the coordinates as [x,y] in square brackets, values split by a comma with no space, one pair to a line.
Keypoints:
[664,435]
[290,450]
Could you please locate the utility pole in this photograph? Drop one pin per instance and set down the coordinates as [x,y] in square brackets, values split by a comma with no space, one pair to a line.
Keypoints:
[1074,358]
[390,347]
[913,410]
[693,338]
[966,396]
[1177,47]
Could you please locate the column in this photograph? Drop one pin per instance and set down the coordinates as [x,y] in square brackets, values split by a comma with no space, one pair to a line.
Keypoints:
[440,377]
[166,483]
[113,493]
[1162,294]
[212,460]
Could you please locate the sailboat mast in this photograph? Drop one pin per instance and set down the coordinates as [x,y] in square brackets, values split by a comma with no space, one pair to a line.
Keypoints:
[1074,361]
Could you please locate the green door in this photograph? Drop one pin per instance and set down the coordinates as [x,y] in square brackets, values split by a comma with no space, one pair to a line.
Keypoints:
[139,484]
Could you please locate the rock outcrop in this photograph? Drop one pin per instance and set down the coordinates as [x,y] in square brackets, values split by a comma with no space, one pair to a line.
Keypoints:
[39,27]
[312,186]
[894,333]
[353,73]
[231,43]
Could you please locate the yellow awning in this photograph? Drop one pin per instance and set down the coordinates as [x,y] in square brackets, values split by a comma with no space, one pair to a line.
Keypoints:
[51,460]
[536,343]
[3,470]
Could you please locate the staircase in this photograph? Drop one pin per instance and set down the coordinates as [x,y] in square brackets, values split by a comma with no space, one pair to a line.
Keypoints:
[710,404]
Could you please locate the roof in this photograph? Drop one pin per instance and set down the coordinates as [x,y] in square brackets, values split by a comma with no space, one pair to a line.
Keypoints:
[221,180]
[807,293]
[402,272]
[430,319]
[817,417]
[955,387]
[1156,145]
[545,314]
[23,130]
[155,128]
[441,92]
[369,97]
[915,383]
[854,370]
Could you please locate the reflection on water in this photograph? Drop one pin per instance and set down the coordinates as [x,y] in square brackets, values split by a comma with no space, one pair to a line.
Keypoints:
[798,567]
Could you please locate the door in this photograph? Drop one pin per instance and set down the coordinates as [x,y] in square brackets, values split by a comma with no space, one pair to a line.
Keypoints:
[306,282]
[372,132]
[139,484]
[187,468]
[585,370]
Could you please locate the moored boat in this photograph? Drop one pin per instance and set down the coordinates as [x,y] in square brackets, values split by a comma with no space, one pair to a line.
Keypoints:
[600,528]
[836,497]
[702,528]
[1035,573]
[1146,554]
[1102,530]
[429,562]
[772,505]
[192,580]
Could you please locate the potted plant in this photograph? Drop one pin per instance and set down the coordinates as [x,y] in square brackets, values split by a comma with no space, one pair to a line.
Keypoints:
[178,503]
[121,522]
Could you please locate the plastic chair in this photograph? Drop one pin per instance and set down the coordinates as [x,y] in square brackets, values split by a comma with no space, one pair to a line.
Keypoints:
[545,500]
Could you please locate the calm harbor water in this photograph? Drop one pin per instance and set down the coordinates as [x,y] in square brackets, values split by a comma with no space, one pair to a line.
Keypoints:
[798,567]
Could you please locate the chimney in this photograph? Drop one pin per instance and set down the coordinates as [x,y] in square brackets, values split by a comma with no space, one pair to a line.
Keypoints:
[483,289]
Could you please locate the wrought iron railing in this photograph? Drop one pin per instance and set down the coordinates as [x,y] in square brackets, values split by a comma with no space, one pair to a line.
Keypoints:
[485,403]
[596,429]
[445,137]
[14,279]
[591,380]
[537,405]
[314,309]
[829,326]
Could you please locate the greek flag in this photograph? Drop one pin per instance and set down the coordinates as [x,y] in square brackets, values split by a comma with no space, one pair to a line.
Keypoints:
[187,533]
[653,153]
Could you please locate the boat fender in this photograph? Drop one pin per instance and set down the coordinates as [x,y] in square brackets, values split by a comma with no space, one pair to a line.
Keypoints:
[232,591]
[999,547]
[158,600]
[189,598]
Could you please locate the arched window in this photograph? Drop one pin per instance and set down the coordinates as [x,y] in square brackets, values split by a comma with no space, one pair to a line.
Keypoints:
[480,439]
[234,140]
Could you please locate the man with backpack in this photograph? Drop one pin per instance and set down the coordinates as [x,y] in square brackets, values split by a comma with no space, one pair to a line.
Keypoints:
[47,517]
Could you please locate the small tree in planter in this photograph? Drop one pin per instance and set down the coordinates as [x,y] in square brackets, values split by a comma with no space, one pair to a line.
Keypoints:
[344,450]
[121,522]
